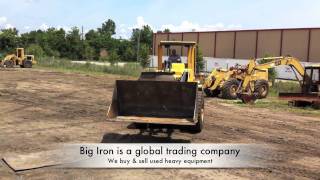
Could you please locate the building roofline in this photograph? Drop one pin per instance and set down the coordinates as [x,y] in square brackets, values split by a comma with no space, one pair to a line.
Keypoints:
[239,30]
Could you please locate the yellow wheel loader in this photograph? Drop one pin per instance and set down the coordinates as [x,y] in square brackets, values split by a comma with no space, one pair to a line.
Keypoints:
[18,59]
[169,96]
[247,83]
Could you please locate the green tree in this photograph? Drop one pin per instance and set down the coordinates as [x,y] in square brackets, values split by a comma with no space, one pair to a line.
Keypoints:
[34,37]
[113,57]
[199,60]
[125,50]
[92,38]
[59,43]
[74,44]
[144,57]
[52,41]
[55,42]
[91,35]
[8,40]
[102,38]
[89,52]
[129,54]
[35,50]
[166,30]
[145,34]
[108,28]
[142,42]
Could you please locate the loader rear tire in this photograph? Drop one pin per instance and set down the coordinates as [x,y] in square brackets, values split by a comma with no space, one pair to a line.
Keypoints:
[261,88]
[9,64]
[200,110]
[229,89]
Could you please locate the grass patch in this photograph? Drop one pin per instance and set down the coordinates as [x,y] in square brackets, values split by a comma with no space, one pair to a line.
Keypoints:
[129,69]
[277,105]
[284,86]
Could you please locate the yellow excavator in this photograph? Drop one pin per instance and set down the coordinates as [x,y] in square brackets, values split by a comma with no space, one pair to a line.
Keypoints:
[310,89]
[247,83]
[18,59]
[169,96]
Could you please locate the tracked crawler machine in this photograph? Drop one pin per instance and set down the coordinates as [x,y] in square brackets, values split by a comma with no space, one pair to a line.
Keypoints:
[169,96]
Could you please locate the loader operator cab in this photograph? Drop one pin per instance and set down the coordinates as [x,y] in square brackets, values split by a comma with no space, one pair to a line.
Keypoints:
[173,58]
[184,72]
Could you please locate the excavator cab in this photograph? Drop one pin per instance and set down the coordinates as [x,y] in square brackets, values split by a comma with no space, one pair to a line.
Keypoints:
[161,97]
[310,89]
[311,80]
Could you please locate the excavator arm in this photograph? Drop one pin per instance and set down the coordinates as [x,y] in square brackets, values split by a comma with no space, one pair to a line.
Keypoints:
[277,61]
[247,85]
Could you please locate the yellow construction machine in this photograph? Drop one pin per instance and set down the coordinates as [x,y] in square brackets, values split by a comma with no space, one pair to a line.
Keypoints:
[18,59]
[169,96]
[310,89]
[247,83]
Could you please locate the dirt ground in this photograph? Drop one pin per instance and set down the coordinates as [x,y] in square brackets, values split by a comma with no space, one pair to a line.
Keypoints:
[40,108]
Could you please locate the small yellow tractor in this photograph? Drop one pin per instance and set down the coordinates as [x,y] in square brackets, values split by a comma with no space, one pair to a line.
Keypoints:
[18,59]
[168,96]
[249,82]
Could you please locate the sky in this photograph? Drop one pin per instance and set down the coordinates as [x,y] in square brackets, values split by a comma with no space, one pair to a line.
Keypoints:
[177,15]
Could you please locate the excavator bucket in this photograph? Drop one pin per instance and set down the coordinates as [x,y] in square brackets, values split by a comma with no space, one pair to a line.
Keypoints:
[247,98]
[154,102]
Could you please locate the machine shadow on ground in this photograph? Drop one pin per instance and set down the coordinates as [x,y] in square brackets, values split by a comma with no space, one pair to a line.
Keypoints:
[147,134]
[138,138]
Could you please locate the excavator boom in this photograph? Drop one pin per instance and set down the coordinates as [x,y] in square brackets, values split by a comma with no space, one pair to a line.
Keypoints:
[277,61]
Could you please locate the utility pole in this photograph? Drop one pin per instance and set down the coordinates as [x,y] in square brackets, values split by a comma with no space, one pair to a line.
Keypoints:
[82,38]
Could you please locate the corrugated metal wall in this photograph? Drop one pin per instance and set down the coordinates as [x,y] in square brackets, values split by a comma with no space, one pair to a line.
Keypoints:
[302,43]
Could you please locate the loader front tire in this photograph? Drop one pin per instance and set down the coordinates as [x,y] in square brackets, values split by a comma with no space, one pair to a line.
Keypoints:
[261,88]
[229,89]
[200,110]
[27,64]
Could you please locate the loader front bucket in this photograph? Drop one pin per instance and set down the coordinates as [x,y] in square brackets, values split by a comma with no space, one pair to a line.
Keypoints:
[155,102]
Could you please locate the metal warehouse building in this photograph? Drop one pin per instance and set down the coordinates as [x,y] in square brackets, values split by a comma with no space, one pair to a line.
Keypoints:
[303,43]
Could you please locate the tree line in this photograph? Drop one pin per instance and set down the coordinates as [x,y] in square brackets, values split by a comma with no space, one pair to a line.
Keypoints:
[73,44]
